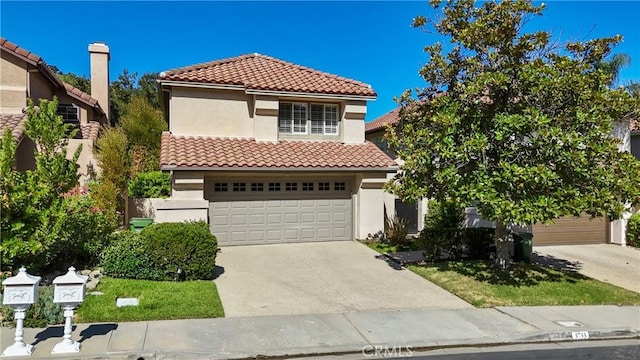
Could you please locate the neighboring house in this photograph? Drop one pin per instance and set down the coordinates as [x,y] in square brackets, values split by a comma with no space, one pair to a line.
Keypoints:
[268,151]
[413,212]
[24,75]
[565,231]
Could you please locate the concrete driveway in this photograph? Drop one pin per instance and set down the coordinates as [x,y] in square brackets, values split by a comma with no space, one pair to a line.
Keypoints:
[315,278]
[610,263]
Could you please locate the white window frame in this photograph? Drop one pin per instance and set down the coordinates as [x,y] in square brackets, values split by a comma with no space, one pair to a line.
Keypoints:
[327,129]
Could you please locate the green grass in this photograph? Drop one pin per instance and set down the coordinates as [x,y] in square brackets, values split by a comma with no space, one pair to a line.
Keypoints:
[483,285]
[159,300]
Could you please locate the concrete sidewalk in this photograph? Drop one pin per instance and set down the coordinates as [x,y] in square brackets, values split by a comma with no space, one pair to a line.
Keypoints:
[291,335]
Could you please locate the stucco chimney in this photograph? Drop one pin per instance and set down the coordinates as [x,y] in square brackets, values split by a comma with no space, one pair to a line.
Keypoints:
[99,59]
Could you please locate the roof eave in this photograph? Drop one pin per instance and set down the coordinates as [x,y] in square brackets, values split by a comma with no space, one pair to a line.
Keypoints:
[388,169]
[263,92]
[95,106]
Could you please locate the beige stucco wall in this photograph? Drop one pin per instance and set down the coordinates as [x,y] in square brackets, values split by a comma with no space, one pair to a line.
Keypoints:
[353,114]
[99,56]
[187,185]
[265,109]
[88,165]
[176,210]
[13,84]
[40,87]
[208,112]
[369,204]
[232,113]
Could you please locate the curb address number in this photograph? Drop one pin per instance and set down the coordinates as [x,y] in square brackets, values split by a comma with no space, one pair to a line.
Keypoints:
[580,335]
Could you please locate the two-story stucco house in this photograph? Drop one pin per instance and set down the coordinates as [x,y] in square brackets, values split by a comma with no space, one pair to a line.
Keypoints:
[565,230]
[25,75]
[268,151]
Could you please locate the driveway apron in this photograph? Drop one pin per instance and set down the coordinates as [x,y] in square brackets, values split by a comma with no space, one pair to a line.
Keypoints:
[617,265]
[323,277]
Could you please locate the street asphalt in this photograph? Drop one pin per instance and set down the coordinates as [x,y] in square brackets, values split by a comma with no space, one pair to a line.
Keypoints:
[337,333]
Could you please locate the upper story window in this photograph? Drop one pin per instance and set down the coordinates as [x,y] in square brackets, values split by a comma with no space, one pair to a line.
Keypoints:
[308,118]
[70,113]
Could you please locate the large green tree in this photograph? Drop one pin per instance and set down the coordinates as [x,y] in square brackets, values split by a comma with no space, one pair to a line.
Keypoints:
[513,124]
[47,222]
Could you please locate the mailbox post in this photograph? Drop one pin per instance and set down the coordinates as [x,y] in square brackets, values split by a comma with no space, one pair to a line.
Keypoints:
[69,291]
[20,292]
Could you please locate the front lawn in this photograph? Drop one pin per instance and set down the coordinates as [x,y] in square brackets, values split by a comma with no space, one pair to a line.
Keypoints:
[483,285]
[159,300]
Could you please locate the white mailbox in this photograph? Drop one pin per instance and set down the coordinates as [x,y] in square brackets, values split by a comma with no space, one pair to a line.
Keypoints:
[20,292]
[69,289]
[68,292]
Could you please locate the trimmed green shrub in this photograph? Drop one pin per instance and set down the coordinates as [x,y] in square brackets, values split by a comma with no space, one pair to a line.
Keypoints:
[42,313]
[443,233]
[445,237]
[127,258]
[154,184]
[633,230]
[159,250]
[187,245]
[479,242]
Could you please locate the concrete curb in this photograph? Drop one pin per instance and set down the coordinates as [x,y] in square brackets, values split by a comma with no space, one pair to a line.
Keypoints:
[539,338]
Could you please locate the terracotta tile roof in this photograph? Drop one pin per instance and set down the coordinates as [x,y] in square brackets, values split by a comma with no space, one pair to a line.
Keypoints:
[185,152]
[89,131]
[15,123]
[381,122]
[6,45]
[261,72]
[80,95]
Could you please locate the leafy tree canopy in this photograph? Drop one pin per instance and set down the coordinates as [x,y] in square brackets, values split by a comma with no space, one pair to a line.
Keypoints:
[513,122]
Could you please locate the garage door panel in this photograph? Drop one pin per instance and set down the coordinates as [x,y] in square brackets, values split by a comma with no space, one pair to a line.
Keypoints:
[339,232]
[291,219]
[308,234]
[291,234]
[260,217]
[306,218]
[571,230]
[274,235]
[257,219]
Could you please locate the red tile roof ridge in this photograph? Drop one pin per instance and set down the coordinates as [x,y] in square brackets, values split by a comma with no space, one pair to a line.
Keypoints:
[258,55]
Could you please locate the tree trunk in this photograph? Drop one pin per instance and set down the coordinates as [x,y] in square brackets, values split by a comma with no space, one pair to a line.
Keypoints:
[503,239]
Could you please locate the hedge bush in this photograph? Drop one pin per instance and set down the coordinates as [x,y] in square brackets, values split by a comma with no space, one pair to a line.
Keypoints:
[159,250]
[127,258]
[154,184]
[633,230]
[445,237]
[189,245]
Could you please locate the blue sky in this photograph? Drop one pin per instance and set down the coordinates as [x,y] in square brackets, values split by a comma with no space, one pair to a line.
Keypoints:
[370,41]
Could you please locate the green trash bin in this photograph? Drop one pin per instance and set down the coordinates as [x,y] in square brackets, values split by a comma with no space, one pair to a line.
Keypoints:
[137,224]
[522,246]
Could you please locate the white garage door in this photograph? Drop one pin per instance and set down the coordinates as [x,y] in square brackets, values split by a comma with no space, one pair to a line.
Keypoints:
[249,211]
